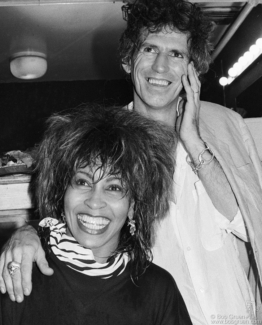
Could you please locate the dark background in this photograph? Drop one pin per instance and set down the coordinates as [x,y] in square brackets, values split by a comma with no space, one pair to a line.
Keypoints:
[25,106]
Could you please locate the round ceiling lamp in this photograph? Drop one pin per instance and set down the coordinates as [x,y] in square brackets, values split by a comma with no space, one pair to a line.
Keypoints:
[28,65]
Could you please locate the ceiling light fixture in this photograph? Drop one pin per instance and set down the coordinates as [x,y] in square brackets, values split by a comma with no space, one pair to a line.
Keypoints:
[28,65]
[243,62]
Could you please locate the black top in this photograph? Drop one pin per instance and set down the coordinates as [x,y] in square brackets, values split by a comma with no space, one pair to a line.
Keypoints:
[69,297]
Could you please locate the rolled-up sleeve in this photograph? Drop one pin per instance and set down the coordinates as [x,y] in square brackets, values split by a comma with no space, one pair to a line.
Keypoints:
[236,226]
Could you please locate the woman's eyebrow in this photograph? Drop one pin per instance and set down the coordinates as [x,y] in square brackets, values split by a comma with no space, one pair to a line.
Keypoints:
[84,173]
[112,178]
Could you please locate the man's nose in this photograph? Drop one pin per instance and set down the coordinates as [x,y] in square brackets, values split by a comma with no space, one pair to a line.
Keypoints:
[95,200]
[161,64]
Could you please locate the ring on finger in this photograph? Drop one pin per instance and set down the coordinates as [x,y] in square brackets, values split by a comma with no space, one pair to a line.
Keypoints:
[13,267]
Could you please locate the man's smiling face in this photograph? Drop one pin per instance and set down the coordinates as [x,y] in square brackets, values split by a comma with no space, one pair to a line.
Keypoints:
[157,69]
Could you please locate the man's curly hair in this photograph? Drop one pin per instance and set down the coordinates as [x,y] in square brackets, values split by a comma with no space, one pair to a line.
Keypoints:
[153,16]
[126,144]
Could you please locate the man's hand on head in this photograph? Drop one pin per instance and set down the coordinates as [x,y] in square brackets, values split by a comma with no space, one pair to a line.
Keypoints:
[188,121]
[24,247]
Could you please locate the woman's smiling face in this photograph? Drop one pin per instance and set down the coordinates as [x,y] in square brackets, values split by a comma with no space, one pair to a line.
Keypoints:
[96,210]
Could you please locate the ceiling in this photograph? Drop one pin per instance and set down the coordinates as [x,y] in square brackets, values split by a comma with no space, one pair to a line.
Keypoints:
[80,38]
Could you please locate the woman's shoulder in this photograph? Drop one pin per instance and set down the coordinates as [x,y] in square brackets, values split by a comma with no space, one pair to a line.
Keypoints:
[157,276]
[164,296]
[158,270]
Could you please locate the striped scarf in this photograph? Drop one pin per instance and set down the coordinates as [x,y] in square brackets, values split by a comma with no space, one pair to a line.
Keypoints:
[79,258]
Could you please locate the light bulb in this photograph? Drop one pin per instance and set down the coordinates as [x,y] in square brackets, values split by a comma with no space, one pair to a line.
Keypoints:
[238,68]
[223,81]
[259,43]
[229,80]
[242,61]
[254,49]
[248,57]
[232,72]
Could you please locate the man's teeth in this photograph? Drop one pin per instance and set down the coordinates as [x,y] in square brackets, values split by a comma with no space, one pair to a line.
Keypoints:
[158,82]
[93,222]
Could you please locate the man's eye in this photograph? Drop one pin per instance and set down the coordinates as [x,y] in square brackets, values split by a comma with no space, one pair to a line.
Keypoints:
[148,49]
[176,54]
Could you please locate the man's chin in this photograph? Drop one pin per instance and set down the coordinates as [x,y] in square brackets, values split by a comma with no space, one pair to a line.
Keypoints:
[161,101]
[160,104]
[152,101]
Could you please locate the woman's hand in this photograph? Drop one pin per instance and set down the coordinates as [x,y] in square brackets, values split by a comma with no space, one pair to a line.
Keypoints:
[24,247]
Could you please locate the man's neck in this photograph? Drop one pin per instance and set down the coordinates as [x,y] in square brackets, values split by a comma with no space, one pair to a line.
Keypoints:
[166,115]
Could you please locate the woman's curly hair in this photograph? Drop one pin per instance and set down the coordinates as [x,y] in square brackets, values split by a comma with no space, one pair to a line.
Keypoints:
[152,16]
[126,144]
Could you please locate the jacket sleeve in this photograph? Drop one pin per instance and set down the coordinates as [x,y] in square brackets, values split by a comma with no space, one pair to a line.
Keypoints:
[251,149]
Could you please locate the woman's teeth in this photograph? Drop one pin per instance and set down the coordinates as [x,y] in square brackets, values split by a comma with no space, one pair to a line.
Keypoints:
[93,222]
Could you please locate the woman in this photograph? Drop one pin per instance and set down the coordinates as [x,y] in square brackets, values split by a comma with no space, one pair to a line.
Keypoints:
[103,176]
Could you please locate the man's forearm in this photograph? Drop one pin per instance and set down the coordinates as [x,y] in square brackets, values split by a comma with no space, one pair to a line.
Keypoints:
[214,180]
[219,189]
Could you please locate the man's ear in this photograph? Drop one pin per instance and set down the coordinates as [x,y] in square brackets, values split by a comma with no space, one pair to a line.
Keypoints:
[127,68]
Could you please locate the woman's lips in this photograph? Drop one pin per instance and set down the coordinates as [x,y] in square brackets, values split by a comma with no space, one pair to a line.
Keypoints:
[93,224]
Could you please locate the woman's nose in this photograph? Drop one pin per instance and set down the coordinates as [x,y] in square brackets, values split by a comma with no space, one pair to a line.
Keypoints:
[161,64]
[95,200]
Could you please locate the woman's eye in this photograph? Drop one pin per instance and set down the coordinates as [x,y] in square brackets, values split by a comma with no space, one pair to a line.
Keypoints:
[82,182]
[116,188]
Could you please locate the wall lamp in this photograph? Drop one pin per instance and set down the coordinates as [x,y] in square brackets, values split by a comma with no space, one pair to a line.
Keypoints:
[28,65]
[243,62]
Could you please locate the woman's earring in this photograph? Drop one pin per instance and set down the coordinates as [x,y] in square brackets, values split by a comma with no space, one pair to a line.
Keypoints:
[63,217]
[132,224]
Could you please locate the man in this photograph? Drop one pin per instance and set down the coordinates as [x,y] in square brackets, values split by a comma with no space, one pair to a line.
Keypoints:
[217,201]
